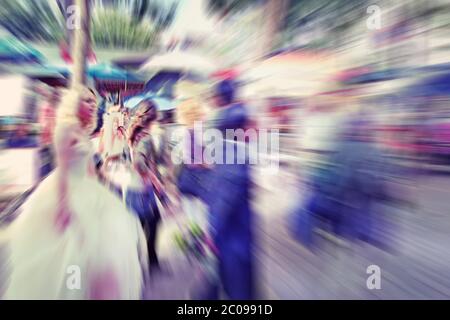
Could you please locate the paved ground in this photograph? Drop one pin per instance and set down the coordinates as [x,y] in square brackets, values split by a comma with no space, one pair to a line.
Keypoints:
[417,267]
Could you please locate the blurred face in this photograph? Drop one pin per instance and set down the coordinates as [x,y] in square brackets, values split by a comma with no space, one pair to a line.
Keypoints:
[142,114]
[88,108]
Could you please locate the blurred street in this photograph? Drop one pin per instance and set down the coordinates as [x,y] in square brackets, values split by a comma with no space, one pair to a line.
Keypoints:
[416,266]
[202,149]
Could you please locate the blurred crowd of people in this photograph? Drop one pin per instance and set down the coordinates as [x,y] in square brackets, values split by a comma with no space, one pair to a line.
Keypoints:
[341,148]
[129,160]
[358,116]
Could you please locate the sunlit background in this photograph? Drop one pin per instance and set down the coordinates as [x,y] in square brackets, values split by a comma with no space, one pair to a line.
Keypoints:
[360,96]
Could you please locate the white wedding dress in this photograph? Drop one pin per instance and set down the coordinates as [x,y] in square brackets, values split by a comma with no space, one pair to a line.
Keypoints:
[102,238]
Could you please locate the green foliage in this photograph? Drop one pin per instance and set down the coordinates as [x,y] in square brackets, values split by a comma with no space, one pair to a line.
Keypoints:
[231,6]
[115,29]
[32,20]
[124,24]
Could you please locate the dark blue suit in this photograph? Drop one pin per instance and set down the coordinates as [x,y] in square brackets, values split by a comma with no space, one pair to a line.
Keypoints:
[230,215]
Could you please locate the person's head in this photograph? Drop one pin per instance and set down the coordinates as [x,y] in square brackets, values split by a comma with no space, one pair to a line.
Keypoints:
[87,109]
[144,115]
[79,105]
[189,111]
[224,93]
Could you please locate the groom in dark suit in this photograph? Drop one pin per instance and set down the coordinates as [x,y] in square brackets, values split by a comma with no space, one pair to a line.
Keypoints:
[230,213]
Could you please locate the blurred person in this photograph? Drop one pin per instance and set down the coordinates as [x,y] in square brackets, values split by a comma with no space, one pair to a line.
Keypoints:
[230,216]
[346,188]
[360,178]
[47,121]
[113,140]
[101,111]
[20,137]
[97,136]
[193,173]
[72,221]
[97,143]
[139,192]
[126,118]
[166,144]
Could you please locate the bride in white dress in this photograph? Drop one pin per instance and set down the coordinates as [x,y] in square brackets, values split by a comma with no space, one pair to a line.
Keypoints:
[75,239]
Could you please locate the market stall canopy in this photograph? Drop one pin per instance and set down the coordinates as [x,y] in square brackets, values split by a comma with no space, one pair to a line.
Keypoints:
[131,61]
[183,61]
[45,73]
[125,88]
[113,79]
[104,71]
[164,82]
[291,74]
[106,77]
[162,103]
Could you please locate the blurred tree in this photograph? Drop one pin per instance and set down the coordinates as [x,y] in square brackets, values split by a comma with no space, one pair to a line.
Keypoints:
[115,29]
[32,20]
[275,11]
[140,10]
[333,18]
[286,18]
[44,21]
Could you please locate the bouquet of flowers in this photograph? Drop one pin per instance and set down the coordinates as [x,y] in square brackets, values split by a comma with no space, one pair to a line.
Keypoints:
[199,249]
